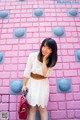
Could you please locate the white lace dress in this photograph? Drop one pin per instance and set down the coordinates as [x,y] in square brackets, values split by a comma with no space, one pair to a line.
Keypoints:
[38,90]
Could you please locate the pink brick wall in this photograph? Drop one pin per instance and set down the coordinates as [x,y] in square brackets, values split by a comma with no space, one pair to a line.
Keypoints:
[62,106]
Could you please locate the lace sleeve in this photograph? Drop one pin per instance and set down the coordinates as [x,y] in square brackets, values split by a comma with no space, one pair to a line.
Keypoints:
[27,70]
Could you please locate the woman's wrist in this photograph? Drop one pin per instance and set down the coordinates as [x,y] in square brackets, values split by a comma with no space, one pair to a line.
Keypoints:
[44,60]
[24,86]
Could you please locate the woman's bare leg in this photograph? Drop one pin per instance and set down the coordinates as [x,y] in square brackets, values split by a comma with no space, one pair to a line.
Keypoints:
[43,113]
[32,113]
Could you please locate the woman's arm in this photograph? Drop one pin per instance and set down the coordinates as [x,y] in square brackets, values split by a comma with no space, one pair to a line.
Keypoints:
[44,65]
[25,81]
[24,84]
[44,68]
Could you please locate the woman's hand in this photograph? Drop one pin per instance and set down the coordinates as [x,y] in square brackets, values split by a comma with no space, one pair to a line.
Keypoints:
[23,89]
[45,57]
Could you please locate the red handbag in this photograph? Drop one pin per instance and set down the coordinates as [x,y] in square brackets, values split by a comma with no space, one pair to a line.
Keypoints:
[23,108]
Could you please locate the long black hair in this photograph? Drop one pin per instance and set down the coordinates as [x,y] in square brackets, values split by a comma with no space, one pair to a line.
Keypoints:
[52,59]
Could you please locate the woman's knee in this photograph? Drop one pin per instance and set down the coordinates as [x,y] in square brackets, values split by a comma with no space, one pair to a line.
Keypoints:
[42,110]
[32,108]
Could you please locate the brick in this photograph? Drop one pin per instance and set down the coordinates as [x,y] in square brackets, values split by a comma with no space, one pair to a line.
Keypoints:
[70,46]
[77,113]
[35,24]
[20,75]
[0,98]
[52,81]
[22,60]
[36,46]
[32,19]
[45,34]
[72,23]
[75,88]
[62,105]
[13,116]
[10,30]
[78,72]
[74,65]
[13,98]
[5,98]
[13,106]
[52,106]
[64,46]
[68,34]
[72,40]
[29,35]
[68,58]
[4,106]
[59,59]
[11,53]
[35,34]
[1,67]
[48,29]
[12,41]
[33,40]
[25,47]
[59,73]
[66,65]
[42,29]
[59,66]
[76,46]
[4,91]
[14,75]
[70,52]
[70,73]
[7,60]
[58,114]
[14,60]
[4,74]
[74,34]
[69,96]
[68,19]
[6,82]
[53,89]
[21,53]
[2,42]
[23,19]
[75,80]
[73,105]
[71,114]
[57,97]
[4,31]
[63,23]
[0,82]
[76,96]
[5,47]
[9,67]
[21,66]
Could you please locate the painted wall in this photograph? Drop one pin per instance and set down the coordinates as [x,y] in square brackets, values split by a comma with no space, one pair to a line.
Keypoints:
[40,19]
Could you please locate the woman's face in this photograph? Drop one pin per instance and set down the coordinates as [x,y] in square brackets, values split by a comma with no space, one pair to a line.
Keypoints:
[46,50]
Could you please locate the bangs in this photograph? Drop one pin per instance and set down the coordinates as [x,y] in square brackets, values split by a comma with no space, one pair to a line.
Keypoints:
[50,44]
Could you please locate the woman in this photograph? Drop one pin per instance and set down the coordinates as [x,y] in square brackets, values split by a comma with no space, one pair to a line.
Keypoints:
[38,68]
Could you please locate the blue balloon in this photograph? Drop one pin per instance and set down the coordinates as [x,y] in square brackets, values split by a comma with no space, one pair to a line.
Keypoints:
[16,86]
[78,55]
[64,84]
[19,32]
[58,31]
[73,12]
[38,12]
[3,14]
[1,57]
